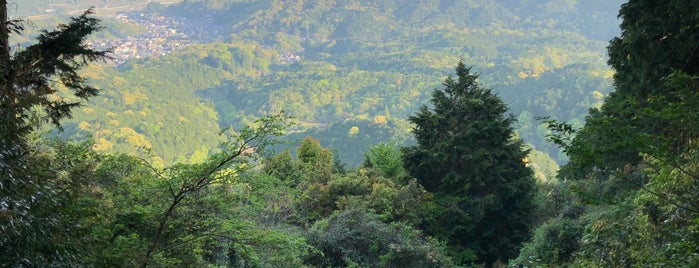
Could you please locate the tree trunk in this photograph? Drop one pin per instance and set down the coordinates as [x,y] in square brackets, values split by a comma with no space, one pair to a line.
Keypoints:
[5,81]
[4,33]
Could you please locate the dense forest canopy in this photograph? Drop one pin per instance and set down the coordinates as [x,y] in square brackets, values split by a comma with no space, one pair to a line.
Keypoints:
[269,133]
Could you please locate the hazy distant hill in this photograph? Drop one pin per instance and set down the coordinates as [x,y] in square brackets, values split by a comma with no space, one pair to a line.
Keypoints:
[319,20]
[369,58]
[326,62]
[46,8]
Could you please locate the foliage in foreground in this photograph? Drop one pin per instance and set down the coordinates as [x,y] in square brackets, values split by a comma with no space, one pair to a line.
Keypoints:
[632,177]
[42,192]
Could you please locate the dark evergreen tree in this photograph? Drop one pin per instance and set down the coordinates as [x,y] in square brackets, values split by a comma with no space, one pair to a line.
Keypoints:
[35,225]
[467,155]
[29,77]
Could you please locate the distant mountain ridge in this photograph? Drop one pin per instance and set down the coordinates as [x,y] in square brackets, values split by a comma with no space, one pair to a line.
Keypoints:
[318,19]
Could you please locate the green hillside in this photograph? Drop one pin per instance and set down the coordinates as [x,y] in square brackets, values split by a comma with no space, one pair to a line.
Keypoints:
[365,59]
[327,62]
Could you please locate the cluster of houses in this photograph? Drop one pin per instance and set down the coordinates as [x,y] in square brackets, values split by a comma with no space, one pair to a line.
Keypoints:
[163,34]
[289,58]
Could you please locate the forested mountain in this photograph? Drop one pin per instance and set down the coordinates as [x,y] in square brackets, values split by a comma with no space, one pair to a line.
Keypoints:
[366,59]
[325,62]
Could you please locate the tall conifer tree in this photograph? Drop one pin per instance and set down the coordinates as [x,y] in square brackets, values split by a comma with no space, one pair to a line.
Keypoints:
[468,157]
[35,229]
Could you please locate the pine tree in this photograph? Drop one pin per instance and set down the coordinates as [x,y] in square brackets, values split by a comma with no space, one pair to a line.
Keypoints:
[34,226]
[467,156]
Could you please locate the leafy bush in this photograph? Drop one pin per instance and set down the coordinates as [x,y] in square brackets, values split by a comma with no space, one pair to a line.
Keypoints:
[357,238]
